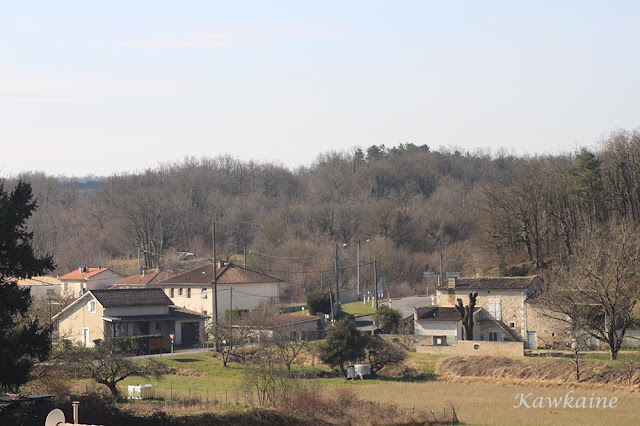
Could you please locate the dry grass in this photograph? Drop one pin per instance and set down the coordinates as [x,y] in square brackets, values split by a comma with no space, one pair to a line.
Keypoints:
[492,404]
[554,371]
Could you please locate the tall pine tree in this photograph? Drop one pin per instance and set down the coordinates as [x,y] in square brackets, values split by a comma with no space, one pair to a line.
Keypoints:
[23,340]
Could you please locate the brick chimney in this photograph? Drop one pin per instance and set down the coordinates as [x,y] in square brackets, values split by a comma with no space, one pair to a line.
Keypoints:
[451,283]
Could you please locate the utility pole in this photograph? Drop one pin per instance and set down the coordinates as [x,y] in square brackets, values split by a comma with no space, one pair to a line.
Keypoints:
[441,277]
[244,251]
[337,277]
[375,279]
[231,310]
[358,268]
[214,283]
[331,300]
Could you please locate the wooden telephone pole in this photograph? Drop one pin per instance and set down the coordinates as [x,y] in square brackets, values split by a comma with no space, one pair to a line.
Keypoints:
[214,283]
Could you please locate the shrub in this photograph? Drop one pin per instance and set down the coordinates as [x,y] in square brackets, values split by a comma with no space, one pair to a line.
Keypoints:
[133,344]
[388,319]
[234,314]
[319,302]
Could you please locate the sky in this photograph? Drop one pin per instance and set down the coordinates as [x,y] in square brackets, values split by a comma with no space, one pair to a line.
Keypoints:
[96,88]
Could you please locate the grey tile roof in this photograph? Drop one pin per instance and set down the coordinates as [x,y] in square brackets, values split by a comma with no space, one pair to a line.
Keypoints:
[492,283]
[438,313]
[117,298]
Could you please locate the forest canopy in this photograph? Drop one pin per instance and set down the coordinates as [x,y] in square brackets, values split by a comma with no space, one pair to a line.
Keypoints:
[406,205]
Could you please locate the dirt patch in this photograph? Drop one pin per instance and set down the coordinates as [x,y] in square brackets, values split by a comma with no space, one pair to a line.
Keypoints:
[186,372]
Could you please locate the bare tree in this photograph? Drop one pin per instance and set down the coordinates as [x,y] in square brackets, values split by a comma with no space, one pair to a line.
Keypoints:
[107,366]
[600,286]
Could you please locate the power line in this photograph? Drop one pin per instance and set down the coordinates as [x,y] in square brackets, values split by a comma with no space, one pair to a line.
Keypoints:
[283,257]
[314,272]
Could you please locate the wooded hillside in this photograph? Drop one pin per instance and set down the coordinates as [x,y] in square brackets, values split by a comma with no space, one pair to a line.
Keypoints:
[489,214]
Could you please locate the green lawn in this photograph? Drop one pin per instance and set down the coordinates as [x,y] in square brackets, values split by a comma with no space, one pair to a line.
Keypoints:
[357,308]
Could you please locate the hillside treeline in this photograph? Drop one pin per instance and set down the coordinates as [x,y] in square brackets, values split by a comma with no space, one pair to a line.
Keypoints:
[410,208]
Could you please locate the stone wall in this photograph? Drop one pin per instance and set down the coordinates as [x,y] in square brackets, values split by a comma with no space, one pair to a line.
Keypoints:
[474,347]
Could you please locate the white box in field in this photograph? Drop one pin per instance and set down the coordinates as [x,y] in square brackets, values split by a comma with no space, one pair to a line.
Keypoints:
[140,392]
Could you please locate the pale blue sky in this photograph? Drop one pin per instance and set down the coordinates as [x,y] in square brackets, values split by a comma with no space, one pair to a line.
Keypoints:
[104,87]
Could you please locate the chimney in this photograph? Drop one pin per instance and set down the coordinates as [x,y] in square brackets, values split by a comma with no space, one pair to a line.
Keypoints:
[144,270]
[451,282]
[80,270]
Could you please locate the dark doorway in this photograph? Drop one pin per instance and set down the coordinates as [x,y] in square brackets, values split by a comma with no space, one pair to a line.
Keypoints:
[190,332]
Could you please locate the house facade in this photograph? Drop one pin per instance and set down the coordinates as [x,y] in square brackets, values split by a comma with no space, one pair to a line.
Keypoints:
[238,288]
[83,279]
[42,288]
[505,307]
[102,314]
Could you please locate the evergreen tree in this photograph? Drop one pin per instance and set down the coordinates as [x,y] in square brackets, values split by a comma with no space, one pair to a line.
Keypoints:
[23,340]
[343,344]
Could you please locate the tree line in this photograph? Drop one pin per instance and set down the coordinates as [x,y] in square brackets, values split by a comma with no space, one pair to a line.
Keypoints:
[408,206]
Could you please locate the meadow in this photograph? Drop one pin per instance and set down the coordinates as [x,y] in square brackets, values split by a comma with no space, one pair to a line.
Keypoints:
[200,378]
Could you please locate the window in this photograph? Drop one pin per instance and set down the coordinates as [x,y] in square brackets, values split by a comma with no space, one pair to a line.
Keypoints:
[493,336]
[51,292]
[157,326]
[204,313]
[180,291]
[65,286]
[204,293]
[172,292]
[495,310]
[512,324]
[188,292]
[92,306]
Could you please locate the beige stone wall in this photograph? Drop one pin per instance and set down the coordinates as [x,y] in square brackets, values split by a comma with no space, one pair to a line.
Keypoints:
[472,347]
[70,327]
[511,311]
[549,331]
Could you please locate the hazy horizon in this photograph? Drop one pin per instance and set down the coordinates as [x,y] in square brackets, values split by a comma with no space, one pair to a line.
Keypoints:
[98,89]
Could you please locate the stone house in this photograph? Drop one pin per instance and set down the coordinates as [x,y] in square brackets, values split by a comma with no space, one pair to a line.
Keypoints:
[101,314]
[506,312]
[80,280]
[238,288]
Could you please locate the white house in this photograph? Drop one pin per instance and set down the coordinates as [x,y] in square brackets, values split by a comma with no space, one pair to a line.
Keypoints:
[83,279]
[238,288]
[42,288]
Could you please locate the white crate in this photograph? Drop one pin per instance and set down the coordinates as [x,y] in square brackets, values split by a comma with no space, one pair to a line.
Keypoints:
[140,392]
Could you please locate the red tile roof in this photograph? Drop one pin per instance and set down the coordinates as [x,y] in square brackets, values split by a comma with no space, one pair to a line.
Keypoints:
[77,274]
[228,274]
[153,276]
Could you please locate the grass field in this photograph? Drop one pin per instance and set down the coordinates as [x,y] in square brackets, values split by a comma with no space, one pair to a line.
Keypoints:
[357,308]
[477,401]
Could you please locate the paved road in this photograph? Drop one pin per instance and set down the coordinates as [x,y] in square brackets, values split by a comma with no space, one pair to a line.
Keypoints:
[407,305]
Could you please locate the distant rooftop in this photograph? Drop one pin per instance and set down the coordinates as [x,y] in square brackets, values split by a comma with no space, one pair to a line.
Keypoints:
[491,283]
[227,274]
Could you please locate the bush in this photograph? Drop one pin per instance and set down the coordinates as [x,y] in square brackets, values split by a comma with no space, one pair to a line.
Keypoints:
[319,302]
[388,319]
[234,314]
[133,344]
